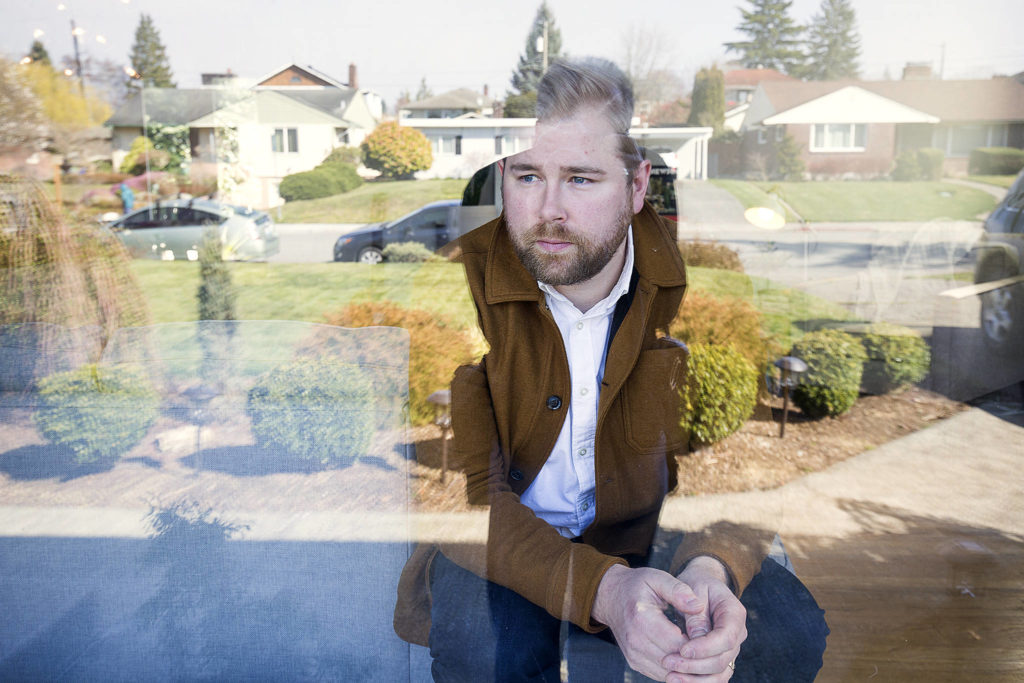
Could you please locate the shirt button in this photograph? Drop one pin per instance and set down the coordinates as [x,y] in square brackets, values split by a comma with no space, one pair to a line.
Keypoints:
[586,506]
[579,325]
[553,403]
[582,451]
[584,391]
[516,475]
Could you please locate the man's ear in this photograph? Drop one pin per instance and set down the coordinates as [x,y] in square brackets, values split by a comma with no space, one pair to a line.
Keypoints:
[638,187]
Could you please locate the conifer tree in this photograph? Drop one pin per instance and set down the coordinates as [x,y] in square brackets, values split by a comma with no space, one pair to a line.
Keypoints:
[833,43]
[773,37]
[38,53]
[149,58]
[708,101]
[531,63]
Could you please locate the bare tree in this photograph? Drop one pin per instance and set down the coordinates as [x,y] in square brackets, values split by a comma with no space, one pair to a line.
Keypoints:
[648,59]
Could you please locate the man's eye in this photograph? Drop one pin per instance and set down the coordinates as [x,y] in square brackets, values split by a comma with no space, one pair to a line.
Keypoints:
[528,178]
[578,180]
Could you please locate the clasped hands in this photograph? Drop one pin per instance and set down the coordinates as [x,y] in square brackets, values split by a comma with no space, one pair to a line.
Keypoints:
[633,602]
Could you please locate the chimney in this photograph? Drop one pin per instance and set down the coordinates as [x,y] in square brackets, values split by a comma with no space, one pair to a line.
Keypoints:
[353,79]
[486,92]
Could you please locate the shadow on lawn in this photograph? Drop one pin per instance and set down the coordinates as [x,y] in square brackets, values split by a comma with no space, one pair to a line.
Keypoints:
[253,461]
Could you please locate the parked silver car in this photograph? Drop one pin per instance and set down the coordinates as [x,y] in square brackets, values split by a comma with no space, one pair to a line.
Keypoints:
[1000,257]
[173,229]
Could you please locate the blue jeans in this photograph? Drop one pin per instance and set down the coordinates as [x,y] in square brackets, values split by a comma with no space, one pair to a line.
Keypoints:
[481,631]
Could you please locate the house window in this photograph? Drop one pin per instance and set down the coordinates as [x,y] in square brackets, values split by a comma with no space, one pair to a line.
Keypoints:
[285,140]
[762,136]
[502,144]
[839,137]
[448,144]
[780,133]
[458,145]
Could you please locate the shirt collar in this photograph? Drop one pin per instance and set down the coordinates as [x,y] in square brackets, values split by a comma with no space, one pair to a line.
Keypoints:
[620,288]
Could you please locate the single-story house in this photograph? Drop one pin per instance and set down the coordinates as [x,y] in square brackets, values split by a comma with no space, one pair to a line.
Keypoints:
[858,128]
[249,138]
[462,146]
[449,105]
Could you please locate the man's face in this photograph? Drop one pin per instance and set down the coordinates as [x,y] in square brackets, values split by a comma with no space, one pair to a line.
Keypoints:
[567,201]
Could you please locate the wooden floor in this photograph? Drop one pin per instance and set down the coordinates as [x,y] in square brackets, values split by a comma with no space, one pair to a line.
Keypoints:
[918,600]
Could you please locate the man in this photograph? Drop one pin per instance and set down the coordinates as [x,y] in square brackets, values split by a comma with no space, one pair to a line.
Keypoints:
[569,427]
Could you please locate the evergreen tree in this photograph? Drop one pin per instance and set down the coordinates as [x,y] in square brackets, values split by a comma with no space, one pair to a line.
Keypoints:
[149,58]
[773,37]
[531,63]
[708,101]
[38,53]
[833,43]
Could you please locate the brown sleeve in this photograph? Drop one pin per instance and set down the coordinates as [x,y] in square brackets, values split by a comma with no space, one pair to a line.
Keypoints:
[523,553]
[740,548]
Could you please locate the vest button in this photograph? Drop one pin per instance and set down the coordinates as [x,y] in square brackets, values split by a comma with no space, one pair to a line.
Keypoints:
[516,475]
[554,403]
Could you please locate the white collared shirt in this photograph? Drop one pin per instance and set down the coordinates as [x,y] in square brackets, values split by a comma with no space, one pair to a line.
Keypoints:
[563,494]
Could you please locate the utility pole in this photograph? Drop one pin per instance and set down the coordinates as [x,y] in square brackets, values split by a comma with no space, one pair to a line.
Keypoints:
[78,60]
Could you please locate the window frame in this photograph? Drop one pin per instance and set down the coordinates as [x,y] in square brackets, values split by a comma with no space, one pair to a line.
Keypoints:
[826,148]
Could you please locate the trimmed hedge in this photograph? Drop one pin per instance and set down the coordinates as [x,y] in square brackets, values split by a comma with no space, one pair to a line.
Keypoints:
[720,394]
[308,185]
[835,364]
[99,413]
[896,356]
[327,179]
[703,254]
[919,164]
[995,161]
[314,410]
[409,252]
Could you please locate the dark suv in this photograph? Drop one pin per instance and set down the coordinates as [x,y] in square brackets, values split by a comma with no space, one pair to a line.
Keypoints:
[1000,256]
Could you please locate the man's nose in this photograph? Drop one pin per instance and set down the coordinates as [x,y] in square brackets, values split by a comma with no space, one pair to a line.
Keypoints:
[552,208]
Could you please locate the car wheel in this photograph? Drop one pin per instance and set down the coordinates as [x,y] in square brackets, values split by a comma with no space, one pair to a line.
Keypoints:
[1001,313]
[370,255]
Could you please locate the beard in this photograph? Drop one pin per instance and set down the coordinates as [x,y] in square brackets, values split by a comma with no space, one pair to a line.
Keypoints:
[577,263]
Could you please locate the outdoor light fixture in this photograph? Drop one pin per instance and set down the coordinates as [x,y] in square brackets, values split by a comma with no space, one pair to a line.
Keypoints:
[791,368]
[769,217]
[441,400]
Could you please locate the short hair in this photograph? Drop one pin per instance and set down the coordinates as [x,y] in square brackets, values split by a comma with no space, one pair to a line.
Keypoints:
[570,85]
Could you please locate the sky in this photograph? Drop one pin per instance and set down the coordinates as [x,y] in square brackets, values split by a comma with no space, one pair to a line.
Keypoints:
[472,43]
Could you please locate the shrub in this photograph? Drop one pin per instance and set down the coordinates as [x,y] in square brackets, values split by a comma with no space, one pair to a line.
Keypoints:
[437,347]
[409,252]
[703,254]
[134,161]
[315,410]
[727,321]
[929,163]
[895,357]
[720,394]
[835,362]
[100,413]
[995,161]
[907,167]
[308,185]
[344,173]
[348,155]
[397,151]
[789,164]
[216,294]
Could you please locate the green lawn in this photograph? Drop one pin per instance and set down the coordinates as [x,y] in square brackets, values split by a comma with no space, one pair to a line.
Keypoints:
[997,180]
[374,201]
[306,292]
[869,200]
[749,194]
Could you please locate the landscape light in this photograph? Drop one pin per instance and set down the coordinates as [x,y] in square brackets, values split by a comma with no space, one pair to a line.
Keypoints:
[25,60]
[78,31]
[38,33]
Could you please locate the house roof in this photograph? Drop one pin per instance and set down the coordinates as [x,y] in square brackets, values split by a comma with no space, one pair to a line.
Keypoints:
[851,104]
[753,76]
[462,98]
[315,75]
[168,106]
[994,100]
[333,101]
